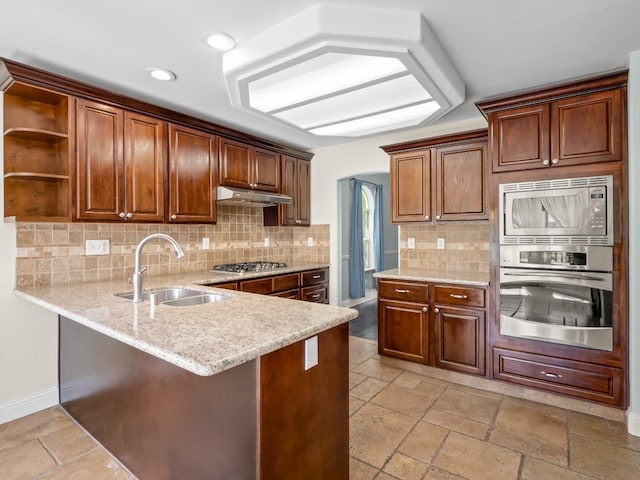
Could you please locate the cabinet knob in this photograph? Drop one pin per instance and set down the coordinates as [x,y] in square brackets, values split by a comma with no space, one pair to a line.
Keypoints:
[437,217]
[424,309]
[297,221]
[174,216]
[426,217]
[545,162]
[554,161]
[129,215]
[122,215]
[436,310]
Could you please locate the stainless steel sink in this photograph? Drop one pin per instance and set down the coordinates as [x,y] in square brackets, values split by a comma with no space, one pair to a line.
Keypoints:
[178,296]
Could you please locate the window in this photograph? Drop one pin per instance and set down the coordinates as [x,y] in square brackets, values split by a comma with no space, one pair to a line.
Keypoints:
[367,226]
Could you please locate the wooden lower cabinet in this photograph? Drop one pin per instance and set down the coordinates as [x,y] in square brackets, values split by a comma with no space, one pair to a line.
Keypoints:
[304,414]
[267,419]
[452,336]
[460,343]
[578,379]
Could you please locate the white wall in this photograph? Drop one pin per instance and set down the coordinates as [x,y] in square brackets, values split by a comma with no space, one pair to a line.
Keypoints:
[363,156]
[633,414]
[28,337]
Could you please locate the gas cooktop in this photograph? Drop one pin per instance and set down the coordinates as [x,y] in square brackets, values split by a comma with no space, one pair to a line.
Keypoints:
[248,267]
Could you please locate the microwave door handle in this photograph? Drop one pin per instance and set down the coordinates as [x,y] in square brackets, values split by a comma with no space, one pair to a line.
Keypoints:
[555,274]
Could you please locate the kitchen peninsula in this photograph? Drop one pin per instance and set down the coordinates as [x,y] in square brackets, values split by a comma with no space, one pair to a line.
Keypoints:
[218,390]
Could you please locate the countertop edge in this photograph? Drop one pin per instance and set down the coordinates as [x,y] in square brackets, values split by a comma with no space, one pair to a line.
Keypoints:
[433,277]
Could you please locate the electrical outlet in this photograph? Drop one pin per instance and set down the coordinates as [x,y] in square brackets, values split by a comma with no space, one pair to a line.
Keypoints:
[310,352]
[266,241]
[411,242]
[309,241]
[440,244]
[96,247]
[205,243]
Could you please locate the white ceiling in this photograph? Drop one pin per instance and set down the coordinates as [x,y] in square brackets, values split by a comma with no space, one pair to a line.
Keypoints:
[498,46]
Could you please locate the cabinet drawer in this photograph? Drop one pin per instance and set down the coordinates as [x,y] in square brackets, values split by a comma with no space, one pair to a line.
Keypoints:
[227,285]
[285,282]
[314,277]
[315,294]
[407,291]
[578,379]
[259,285]
[467,296]
[290,294]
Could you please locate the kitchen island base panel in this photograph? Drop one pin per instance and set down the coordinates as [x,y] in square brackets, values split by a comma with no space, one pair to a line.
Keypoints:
[159,420]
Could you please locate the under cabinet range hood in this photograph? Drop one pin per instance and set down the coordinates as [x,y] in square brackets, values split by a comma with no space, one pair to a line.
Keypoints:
[250,198]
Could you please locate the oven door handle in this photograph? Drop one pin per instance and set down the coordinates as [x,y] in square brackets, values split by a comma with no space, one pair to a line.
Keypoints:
[554,274]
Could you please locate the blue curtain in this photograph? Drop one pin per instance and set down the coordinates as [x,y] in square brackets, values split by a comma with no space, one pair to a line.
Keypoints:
[356,254]
[378,234]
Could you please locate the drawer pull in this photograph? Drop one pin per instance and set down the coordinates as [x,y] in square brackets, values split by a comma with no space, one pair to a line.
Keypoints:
[317,295]
[552,375]
[435,310]
[398,290]
[316,277]
[455,295]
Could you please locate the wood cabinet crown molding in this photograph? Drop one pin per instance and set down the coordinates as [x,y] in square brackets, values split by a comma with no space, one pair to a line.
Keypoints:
[450,139]
[552,92]
[11,71]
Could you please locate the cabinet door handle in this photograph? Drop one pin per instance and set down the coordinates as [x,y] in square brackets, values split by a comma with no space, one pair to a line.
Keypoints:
[426,217]
[297,221]
[398,290]
[174,216]
[455,295]
[122,215]
[550,374]
[436,310]
[545,162]
[129,215]
[437,217]
[317,295]
[554,161]
[424,309]
[315,277]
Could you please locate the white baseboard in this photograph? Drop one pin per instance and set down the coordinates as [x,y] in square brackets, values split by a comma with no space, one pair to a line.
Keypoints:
[28,404]
[633,423]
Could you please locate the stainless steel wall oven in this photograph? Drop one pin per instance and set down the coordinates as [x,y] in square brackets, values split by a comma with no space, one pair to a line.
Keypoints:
[556,261]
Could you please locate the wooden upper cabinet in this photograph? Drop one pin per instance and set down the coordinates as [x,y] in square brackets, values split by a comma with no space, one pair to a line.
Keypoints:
[100,158]
[461,182]
[120,164]
[38,148]
[296,183]
[439,179]
[192,175]
[411,187]
[245,166]
[143,167]
[588,128]
[572,124]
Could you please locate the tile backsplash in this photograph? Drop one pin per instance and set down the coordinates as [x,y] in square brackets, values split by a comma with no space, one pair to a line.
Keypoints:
[466,247]
[54,253]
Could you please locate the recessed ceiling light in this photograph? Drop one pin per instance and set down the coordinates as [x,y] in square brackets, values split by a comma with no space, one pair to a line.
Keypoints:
[161,74]
[219,40]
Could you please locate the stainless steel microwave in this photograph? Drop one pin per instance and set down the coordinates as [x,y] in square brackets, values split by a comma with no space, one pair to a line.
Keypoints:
[569,211]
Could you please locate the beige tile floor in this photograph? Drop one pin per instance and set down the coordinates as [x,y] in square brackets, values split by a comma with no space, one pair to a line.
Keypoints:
[407,422]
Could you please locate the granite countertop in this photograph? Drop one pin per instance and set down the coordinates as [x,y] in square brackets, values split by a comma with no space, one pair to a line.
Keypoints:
[203,339]
[436,276]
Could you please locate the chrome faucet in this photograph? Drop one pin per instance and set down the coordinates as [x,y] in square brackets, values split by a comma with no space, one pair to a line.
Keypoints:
[137,277]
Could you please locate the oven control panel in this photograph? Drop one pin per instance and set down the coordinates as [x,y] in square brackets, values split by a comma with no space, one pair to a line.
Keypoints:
[598,209]
[553,258]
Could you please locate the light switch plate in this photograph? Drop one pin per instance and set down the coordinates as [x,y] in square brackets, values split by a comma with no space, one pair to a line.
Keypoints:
[440,244]
[96,247]
[266,241]
[310,352]
[411,242]
[205,243]
[309,241]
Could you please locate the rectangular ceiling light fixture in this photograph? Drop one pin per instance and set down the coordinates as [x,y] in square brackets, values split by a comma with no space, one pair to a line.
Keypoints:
[385,72]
